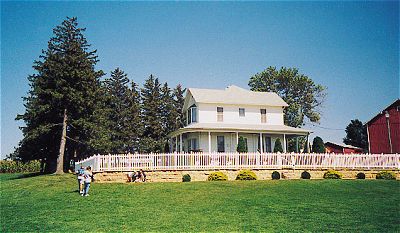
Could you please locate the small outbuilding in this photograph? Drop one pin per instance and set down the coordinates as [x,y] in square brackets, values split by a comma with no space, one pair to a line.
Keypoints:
[337,148]
[384,130]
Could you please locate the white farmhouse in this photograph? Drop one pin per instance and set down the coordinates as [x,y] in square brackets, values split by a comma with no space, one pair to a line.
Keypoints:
[217,118]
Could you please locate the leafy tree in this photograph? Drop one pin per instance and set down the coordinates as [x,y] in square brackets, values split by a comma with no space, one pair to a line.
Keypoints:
[64,91]
[241,147]
[318,145]
[356,135]
[303,96]
[278,146]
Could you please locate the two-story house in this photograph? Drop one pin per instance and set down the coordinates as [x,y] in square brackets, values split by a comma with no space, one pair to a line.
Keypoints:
[215,119]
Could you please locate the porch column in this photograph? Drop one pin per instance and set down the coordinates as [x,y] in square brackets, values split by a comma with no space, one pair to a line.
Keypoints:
[284,143]
[181,143]
[297,144]
[209,142]
[308,143]
[261,143]
[237,138]
[176,143]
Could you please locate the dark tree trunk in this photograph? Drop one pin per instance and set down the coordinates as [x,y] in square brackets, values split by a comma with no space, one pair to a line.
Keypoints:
[60,159]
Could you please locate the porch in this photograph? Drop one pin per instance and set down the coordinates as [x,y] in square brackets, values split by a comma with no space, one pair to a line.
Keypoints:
[225,138]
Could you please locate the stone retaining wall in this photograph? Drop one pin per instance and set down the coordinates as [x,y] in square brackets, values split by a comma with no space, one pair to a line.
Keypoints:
[176,176]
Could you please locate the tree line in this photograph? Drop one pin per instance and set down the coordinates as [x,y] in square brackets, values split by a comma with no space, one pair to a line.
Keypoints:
[70,108]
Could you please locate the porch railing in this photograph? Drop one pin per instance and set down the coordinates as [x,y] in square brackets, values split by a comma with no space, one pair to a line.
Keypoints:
[210,161]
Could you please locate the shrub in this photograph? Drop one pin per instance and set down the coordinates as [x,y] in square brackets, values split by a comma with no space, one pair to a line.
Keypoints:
[186,178]
[241,147]
[360,176]
[386,175]
[276,175]
[217,176]
[278,146]
[246,175]
[332,174]
[305,175]
[10,166]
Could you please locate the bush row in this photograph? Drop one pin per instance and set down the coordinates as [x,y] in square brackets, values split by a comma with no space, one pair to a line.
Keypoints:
[10,166]
[250,175]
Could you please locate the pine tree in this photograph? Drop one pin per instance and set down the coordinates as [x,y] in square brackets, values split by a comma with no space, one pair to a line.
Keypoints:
[151,140]
[118,102]
[133,124]
[278,146]
[179,101]
[318,145]
[64,88]
[169,113]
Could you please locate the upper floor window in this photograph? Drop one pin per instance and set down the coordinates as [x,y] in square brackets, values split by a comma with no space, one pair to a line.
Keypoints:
[263,115]
[242,112]
[220,114]
[192,114]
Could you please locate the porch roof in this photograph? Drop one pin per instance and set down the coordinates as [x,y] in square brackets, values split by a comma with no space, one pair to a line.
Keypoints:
[242,128]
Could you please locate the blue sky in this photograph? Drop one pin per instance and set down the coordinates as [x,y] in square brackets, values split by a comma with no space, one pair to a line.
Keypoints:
[352,48]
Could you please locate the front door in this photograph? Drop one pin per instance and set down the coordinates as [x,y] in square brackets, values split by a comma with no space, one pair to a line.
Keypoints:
[221,143]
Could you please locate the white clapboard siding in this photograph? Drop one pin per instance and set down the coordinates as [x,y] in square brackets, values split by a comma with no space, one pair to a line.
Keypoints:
[210,161]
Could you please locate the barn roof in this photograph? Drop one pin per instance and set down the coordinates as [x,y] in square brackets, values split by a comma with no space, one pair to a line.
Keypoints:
[343,145]
[395,103]
[236,95]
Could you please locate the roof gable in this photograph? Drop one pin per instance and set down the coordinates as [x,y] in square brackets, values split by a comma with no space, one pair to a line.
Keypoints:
[395,103]
[236,95]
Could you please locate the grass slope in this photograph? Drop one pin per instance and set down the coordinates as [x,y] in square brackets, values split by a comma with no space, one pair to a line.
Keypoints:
[50,203]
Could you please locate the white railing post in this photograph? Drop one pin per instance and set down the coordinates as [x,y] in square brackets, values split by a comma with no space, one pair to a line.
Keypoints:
[279,160]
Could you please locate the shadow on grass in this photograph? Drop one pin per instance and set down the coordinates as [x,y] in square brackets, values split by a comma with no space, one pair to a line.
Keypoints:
[27,175]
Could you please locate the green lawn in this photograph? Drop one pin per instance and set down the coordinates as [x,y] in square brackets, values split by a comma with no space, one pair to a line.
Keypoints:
[50,203]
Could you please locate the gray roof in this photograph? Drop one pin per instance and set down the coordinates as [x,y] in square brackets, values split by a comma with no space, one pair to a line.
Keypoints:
[251,128]
[236,95]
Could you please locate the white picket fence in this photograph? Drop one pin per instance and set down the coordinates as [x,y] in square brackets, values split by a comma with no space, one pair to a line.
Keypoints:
[210,161]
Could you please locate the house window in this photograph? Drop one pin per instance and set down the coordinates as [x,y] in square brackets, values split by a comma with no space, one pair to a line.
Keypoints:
[193,144]
[192,114]
[242,112]
[220,114]
[263,115]
[221,143]
[245,144]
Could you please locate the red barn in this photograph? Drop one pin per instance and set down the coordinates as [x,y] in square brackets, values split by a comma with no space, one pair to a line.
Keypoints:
[384,130]
[337,148]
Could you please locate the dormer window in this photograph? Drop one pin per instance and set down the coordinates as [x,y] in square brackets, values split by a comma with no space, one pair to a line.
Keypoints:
[242,112]
[263,115]
[192,114]
[220,114]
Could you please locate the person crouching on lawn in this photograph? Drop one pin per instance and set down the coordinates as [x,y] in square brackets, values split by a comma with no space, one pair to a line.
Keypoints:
[142,175]
[88,176]
[80,173]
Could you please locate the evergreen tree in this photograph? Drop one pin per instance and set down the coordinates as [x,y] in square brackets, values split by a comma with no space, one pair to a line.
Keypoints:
[168,112]
[241,147]
[151,140]
[118,101]
[356,135]
[318,145]
[278,146]
[179,101]
[133,124]
[64,89]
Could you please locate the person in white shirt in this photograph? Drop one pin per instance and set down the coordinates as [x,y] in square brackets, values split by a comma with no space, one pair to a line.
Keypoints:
[87,179]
